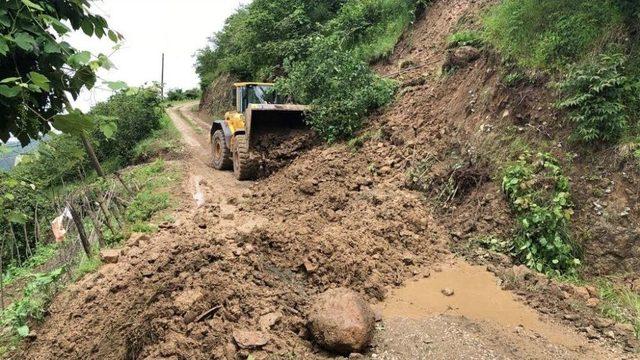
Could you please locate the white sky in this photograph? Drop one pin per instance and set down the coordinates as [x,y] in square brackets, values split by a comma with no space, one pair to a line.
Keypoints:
[176,27]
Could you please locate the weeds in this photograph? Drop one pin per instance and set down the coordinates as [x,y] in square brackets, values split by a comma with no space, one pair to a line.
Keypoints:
[599,98]
[36,297]
[620,304]
[549,34]
[465,38]
[538,193]
[86,266]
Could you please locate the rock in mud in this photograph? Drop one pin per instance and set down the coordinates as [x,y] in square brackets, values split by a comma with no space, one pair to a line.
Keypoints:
[269,320]
[250,339]
[448,292]
[460,57]
[110,256]
[308,187]
[136,238]
[341,321]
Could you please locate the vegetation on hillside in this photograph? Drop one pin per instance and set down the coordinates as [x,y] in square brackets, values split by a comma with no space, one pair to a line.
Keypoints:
[590,47]
[318,52]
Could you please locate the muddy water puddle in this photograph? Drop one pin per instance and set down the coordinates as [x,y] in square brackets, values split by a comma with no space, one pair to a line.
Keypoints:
[477,296]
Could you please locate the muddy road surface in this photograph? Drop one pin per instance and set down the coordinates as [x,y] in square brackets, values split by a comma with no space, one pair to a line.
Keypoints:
[238,253]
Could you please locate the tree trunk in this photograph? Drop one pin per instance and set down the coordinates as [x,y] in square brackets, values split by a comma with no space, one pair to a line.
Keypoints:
[37,226]
[26,239]
[80,227]
[15,243]
[92,154]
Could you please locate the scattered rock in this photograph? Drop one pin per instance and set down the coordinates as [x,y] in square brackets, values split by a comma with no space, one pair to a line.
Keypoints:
[227,215]
[572,317]
[136,238]
[448,292]
[521,272]
[187,299]
[602,323]
[110,256]
[341,321]
[269,320]
[460,57]
[308,187]
[592,333]
[623,329]
[593,302]
[582,292]
[250,339]
[309,266]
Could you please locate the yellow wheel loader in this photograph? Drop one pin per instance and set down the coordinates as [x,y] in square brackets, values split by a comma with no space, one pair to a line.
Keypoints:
[259,112]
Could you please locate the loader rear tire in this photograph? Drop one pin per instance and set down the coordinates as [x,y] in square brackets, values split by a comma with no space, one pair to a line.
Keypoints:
[243,167]
[220,152]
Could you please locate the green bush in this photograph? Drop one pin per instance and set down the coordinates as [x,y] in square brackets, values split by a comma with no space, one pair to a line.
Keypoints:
[136,115]
[538,193]
[339,86]
[548,34]
[600,98]
[145,205]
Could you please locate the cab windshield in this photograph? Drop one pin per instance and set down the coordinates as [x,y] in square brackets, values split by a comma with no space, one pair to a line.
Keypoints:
[261,94]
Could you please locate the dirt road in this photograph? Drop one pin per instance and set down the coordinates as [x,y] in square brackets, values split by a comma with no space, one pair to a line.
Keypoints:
[231,257]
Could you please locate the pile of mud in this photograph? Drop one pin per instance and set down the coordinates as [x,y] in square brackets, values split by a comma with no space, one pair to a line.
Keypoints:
[277,149]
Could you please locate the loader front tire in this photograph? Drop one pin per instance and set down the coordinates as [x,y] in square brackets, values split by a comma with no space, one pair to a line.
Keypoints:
[220,152]
[243,167]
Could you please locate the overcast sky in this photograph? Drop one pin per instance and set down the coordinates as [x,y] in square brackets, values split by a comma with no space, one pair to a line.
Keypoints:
[176,27]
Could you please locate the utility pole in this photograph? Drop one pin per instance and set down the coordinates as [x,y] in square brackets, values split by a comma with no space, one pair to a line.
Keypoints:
[162,79]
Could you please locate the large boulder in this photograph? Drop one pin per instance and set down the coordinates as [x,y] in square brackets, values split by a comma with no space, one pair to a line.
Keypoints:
[341,321]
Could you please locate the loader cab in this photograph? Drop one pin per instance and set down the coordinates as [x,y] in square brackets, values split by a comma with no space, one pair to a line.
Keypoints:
[245,94]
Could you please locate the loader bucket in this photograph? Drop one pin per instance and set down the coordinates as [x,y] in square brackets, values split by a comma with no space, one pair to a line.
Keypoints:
[270,125]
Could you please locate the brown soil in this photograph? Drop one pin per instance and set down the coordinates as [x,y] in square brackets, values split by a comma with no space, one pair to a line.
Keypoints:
[338,218]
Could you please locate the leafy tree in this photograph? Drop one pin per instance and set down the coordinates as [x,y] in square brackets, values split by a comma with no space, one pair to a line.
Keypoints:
[38,68]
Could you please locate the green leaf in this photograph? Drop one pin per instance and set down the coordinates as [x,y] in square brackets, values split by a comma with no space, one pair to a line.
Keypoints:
[116,85]
[40,81]
[23,330]
[9,92]
[5,21]
[32,5]
[4,47]
[79,59]
[87,27]
[113,36]
[73,123]
[9,79]
[24,41]
[9,197]
[51,47]
[109,129]
[56,24]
